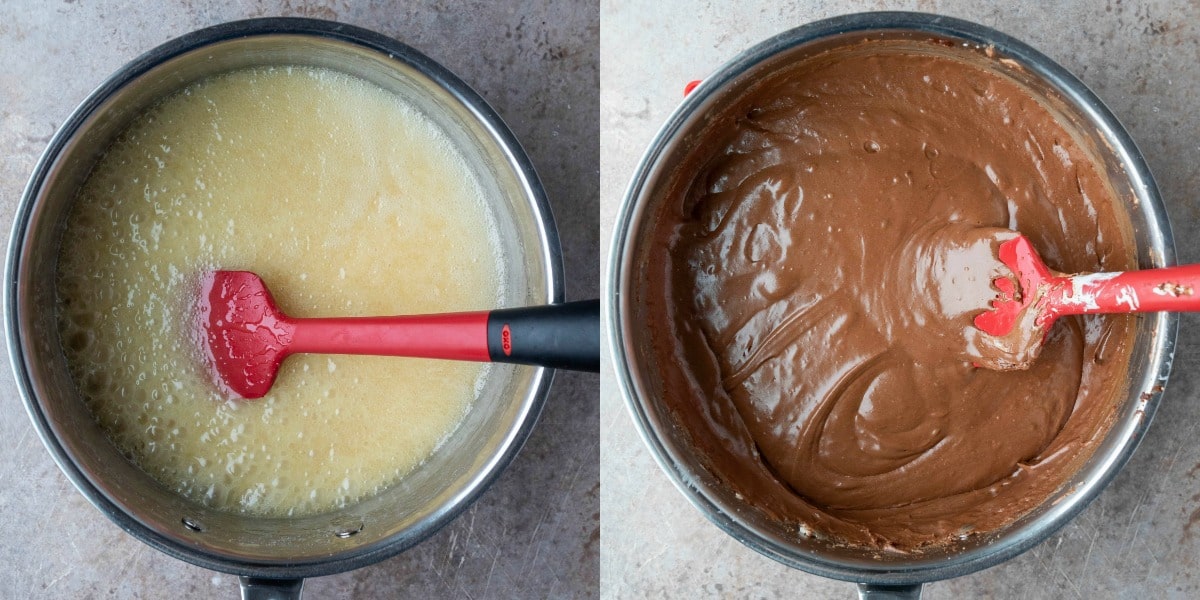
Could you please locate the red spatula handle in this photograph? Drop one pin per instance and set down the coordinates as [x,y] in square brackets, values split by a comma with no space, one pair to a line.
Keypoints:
[454,336]
[564,336]
[1152,290]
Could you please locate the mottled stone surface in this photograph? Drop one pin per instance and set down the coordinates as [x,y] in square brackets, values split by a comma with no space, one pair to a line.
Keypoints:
[535,533]
[1141,537]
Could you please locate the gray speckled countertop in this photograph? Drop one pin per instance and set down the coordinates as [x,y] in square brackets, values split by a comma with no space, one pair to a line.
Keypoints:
[535,533]
[1141,537]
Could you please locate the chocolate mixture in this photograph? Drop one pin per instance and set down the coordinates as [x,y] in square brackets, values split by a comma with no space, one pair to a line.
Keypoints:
[811,282]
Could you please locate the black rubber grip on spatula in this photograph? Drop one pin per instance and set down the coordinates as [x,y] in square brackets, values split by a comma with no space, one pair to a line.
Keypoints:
[560,336]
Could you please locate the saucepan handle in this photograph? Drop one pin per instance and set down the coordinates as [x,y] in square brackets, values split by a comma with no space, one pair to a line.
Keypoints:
[259,588]
[868,591]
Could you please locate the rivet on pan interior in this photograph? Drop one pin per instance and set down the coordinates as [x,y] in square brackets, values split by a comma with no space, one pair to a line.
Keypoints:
[347,527]
[192,524]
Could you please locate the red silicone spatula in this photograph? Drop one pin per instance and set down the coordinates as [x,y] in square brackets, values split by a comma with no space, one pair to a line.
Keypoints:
[1052,295]
[247,337]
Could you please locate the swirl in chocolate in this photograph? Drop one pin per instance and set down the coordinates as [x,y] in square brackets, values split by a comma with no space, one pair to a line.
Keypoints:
[815,274]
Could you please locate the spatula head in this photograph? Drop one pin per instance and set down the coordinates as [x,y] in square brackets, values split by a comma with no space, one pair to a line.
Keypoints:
[245,336]
[1012,302]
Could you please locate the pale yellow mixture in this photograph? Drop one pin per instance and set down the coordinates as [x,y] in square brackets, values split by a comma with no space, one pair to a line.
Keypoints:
[347,201]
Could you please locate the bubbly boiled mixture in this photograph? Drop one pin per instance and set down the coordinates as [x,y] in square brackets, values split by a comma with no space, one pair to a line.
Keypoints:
[347,201]
[817,268]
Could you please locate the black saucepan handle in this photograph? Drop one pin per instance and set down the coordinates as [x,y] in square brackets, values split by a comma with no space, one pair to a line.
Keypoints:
[560,336]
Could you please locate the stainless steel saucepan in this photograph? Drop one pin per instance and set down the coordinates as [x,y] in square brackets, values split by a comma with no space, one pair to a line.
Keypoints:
[273,554]
[641,380]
